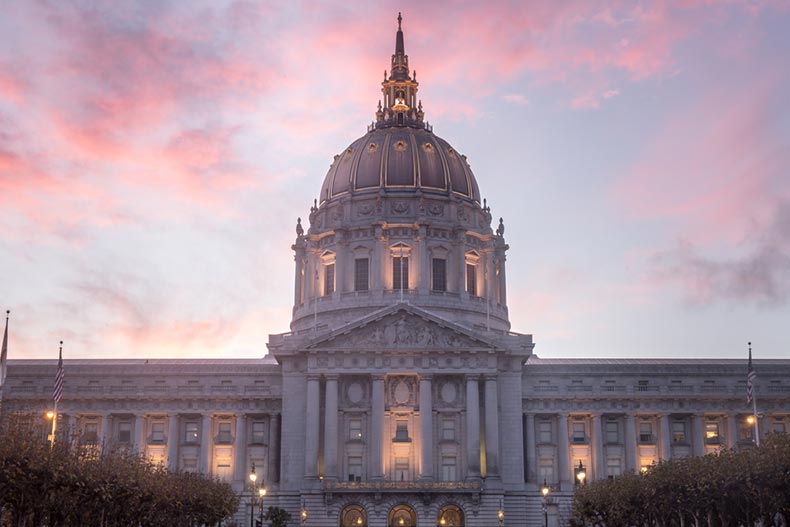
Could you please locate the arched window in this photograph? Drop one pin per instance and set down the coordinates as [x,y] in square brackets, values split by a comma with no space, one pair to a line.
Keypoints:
[402,516]
[353,516]
[450,516]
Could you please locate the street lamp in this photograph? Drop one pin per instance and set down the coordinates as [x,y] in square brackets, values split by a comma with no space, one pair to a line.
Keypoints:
[581,473]
[304,514]
[52,416]
[545,491]
[500,514]
[253,479]
[261,494]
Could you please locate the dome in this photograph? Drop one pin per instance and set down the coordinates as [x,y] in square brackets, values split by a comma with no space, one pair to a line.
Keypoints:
[397,159]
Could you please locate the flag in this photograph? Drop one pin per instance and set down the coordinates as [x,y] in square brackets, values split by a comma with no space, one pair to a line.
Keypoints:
[750,378]
[57,393]
[4,353]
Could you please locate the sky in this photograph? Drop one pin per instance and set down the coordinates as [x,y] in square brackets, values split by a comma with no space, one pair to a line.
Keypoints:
[154,157]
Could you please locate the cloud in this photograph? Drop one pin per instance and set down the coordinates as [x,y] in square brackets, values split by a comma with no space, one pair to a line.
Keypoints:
[516,98]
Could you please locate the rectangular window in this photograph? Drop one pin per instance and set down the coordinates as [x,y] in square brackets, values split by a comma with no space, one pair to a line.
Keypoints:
[745,431]
[712,433]
[354,429]
[224,435]
[678,432]
[646,432]
[158,432]
[544,432]
[546,470]
[448,468]
[190,432]
[402,469]
[258,432]
[401,431]
[778,427]
[125,432]
[91,434]
[190,464]
[223,472]
[612,432]
[355,468]
[471,279]
[439,272]
[448,429]
[400,270]
[361,274]
[579,435]
[613,467]
[329,279]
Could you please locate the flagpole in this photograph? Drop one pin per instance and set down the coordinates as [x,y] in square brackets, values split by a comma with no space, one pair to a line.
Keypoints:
[752,393]
[57,393]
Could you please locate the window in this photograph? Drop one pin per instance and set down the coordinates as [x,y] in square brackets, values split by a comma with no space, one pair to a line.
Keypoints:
[612,432]
[329,279]
[190,432]
[613,467]
[258,432]
[448,429]
[224,432]
[448,468]
[400,268]
[745,431]
[125,432]
[402,469]
[646,432]
[439,271]
[578,432]
[778,427]
[544,431]
[361,274]
[678,432]
[546,470]
[158,432]
[401,431]
[91,434]
[223,472]
[354,429]
[712,433]
[190,464]
[471,279]
[355,468]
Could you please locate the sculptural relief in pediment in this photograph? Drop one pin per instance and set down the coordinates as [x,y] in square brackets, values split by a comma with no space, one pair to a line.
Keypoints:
[403,330]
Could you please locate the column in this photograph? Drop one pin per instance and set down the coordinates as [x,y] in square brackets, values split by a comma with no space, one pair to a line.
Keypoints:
[666,438]
[424,270]
[330,428]
[172,442]
[376,443]
[298,271]
[205,445]
[563,453]
[104,434]
[598,458]
[312,427]
[139,433]
[630,443]
[698,435]
[472,427]
[502,280]
[72,431]
[274,449]
[732,430]
[426,427]
[341,267]
[492,426]
[240,448]
[532,474]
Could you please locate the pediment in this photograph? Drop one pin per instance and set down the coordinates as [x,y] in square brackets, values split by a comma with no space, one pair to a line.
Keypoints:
[404,328]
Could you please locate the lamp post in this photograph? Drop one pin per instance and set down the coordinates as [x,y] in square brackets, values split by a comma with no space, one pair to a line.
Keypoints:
[52,416]
[545,491]
[253,479]
[581,473]
[261,494]
[303,514]
[500,514]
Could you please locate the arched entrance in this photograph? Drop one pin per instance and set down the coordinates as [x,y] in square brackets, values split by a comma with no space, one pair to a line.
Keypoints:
[450,516]
[353,516]
[402,516]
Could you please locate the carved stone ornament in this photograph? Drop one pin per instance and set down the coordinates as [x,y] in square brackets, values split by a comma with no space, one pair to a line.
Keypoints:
[399,207]
[401,390]
[463,215]
[365,209]
[435,209]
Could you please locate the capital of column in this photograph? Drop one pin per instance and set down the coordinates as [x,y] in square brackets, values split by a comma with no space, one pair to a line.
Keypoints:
[331,376]
[377,376]
[426,377]
[313,377]
[472,377]
[490,377]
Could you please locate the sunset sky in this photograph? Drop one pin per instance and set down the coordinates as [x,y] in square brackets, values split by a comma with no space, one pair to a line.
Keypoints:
[154,157]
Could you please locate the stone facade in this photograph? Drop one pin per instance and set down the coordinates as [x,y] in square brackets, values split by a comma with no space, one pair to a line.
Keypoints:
[400,397]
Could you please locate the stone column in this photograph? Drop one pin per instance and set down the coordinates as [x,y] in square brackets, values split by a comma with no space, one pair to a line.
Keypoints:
[492,426]
[424,269]
[502,279]
[376,264]
[598,457]
[274,448]
[205,445]
[563,452]
[330,428]
[299,257]
[341,266]
[666,437]
[426,428]
[631,462]
[240,448]
[732,430]
[376,443]
[172,442]
[698,435]
[140,438]
[532,474]
[312,425]
[472,427]
[104,433]
[71,431]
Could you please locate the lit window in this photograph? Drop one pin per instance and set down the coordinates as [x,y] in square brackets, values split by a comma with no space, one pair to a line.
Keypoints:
[125,432]
[223,472]
[439,271]
[329,279]
[190,432]
[678,432]
[361,274]
[258,432]
[224,432]
[400,272]
[471,279]
[613,467]
[402,469]
[712,432]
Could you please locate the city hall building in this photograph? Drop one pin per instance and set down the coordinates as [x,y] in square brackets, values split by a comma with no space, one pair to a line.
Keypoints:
[401,397]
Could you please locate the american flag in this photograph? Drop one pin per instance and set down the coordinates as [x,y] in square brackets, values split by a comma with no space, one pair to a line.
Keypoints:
[750,378]
[57,393]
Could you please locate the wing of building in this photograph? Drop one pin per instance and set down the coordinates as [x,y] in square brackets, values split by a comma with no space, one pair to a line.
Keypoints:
[401,397]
